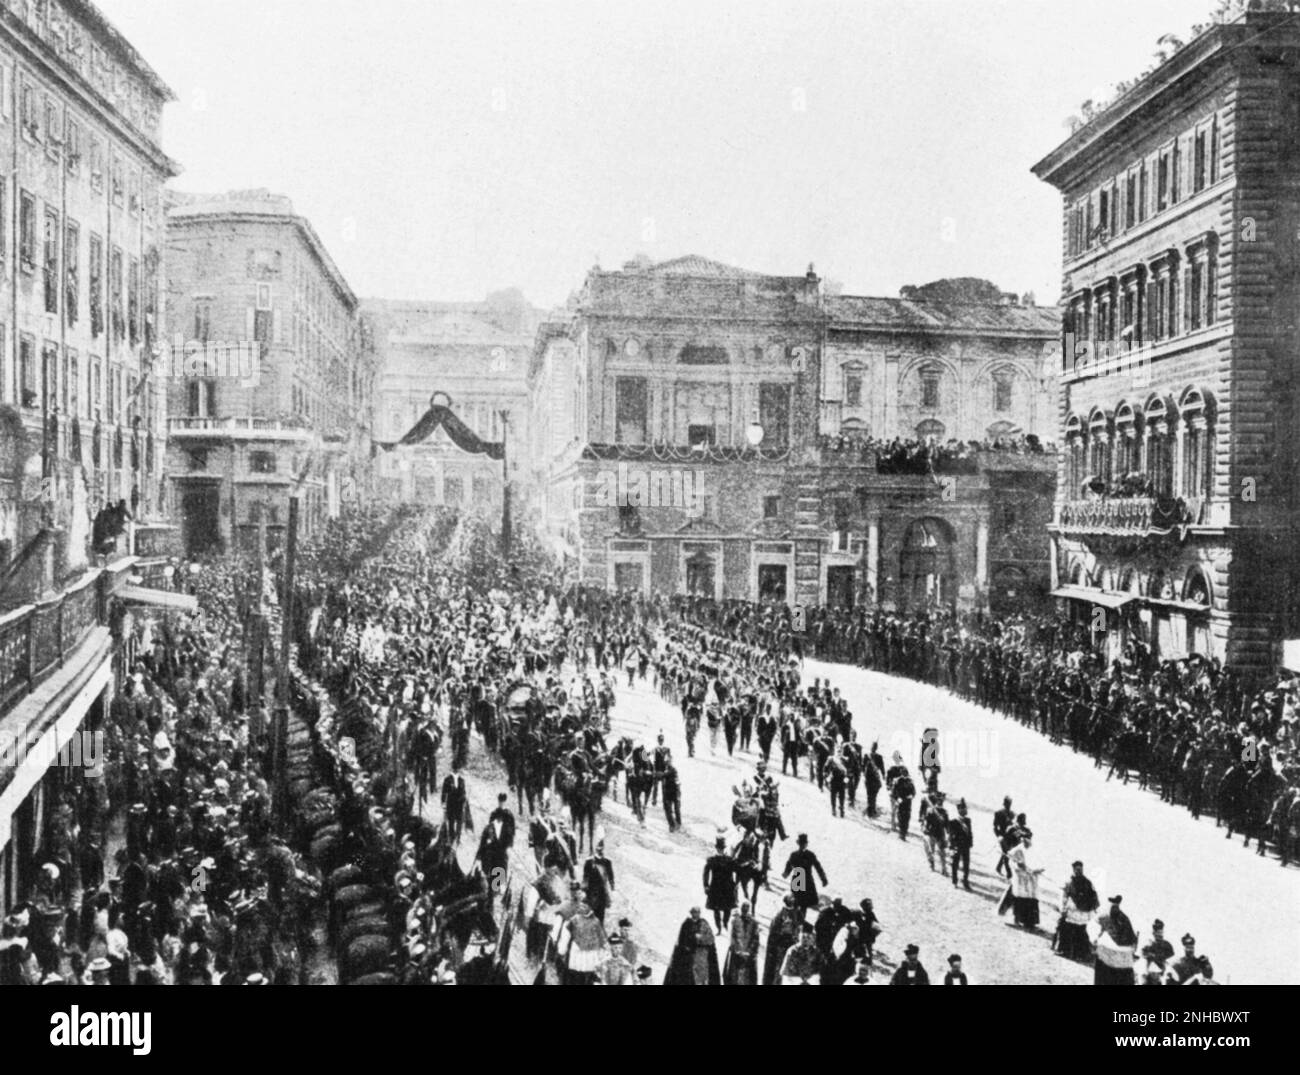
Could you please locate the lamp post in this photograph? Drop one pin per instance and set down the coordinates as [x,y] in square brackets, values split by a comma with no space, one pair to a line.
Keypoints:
[505,482]
[754,432]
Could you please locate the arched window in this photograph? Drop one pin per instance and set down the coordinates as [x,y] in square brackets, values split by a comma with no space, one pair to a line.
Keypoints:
[1075,461]
[931,427]
[1196,587]
[1128,454]
[1198,444]
[1099,446]
[1159,417]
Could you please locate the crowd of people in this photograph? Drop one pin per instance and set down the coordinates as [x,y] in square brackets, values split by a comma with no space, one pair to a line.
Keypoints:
[1186,726]
[163,866]
[927,455]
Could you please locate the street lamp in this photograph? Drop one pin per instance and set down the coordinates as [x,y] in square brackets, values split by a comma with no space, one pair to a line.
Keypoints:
[754,433]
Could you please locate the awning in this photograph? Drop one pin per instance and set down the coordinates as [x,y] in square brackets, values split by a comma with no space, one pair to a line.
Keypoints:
[1105,598]
[142,595]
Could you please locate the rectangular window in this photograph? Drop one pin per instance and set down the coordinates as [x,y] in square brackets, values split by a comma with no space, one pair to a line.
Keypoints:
[113,377]
[1195,297]
[1130,200]
[1198,162]
[774,414]
[631,409]
[1162,183]
[6,91]
[1002,393]
[1103,214]
[262,326]
[1088,236]
[74,382]
[930,382]
[50,374]
[52,128]
[96,164]
[202,398]
[65,383]
[1211,284]
[261,462]
[118,181]
[27,114]
[771,507]
[116,311]
[133,301]
[1142,193]
[853,388]
[50,263]
[71,269]
[27,232]
[27,371]
[202,319]
[72,151]
[1174,158]
[1214,150]
[96,273]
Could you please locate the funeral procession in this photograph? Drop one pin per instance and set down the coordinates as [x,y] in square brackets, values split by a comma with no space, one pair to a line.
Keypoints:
[816,506]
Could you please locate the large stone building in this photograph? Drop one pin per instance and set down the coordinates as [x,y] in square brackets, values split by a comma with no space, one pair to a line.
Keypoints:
[476,355]
[938,367]
[81,406]
[698,428]
[1176,505]
[273,372]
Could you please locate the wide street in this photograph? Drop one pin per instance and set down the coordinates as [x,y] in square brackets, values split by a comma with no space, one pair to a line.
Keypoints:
[1240,907]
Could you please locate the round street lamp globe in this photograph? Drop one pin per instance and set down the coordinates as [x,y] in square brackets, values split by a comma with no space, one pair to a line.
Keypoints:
[754,434]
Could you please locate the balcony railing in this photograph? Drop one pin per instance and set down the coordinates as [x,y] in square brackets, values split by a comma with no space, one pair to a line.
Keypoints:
[191,424]
[1130,515]
[36,639]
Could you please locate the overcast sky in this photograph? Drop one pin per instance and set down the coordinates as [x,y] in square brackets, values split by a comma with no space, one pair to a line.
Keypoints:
[443,150]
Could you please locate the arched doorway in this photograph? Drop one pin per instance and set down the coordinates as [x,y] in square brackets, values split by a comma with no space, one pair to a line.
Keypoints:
[927,572]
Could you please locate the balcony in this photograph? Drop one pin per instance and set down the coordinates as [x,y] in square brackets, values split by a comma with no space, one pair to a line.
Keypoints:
[1134,515]
[237,429]
[36,639]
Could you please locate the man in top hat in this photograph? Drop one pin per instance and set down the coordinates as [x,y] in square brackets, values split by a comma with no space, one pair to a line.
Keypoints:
[1192,969]
[455,803]
[1079,902]
[720,884]
[800,867]
[1157,952]
[1116,944]
[910,972]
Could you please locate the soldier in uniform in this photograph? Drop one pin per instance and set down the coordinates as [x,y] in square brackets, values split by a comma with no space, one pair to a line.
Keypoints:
[851,753]
[1191,968]
[672,796]
[660,759]
[1003,821]
[960,840]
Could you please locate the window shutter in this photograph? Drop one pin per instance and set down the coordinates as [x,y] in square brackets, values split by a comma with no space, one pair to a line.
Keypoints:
[248,323]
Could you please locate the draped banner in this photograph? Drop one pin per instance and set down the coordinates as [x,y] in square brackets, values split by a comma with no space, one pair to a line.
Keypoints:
[440,415]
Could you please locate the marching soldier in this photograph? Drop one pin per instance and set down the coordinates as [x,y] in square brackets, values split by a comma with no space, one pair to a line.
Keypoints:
[960,840]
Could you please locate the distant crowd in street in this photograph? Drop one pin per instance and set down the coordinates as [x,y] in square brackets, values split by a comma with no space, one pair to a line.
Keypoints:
[928,455]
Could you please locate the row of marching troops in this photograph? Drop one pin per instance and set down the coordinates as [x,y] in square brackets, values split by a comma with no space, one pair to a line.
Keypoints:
[1187,727]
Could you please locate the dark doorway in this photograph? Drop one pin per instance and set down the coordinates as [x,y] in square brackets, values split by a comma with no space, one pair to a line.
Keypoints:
[700,576]
[200,508]
[628,577]
[771,582]
[839,587]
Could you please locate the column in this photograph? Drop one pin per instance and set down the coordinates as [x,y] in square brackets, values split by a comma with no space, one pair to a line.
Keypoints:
[873,559]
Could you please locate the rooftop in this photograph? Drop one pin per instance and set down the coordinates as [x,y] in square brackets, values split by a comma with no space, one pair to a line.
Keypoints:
[917,315]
